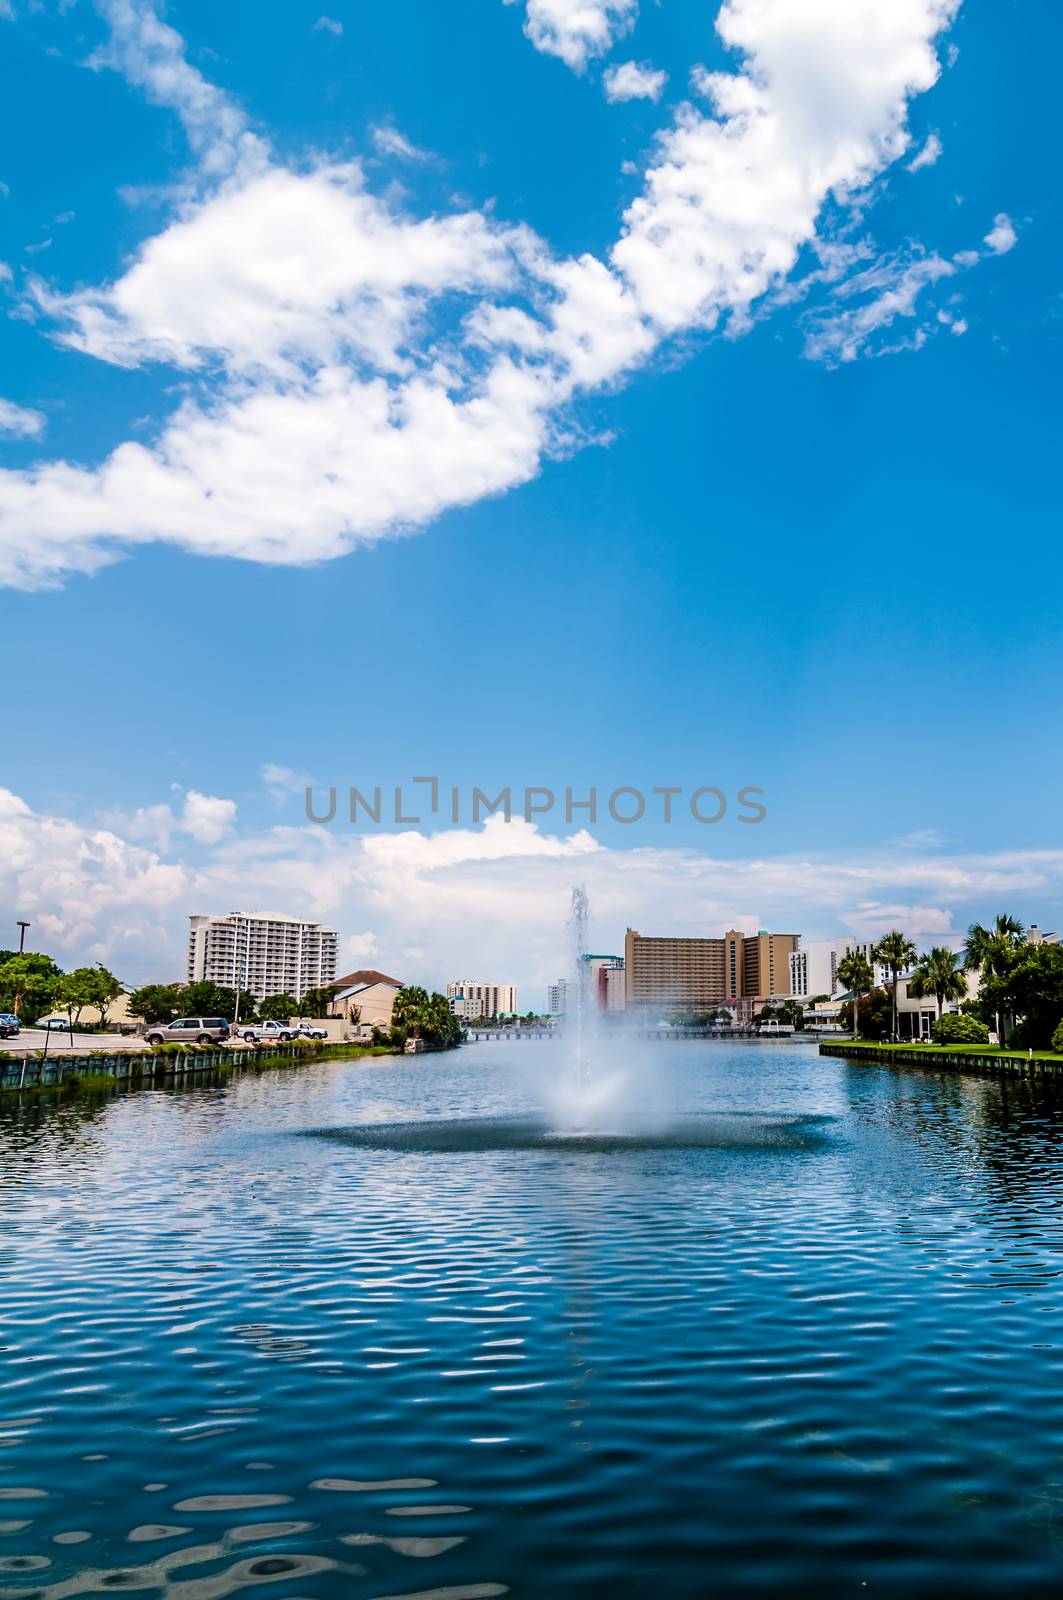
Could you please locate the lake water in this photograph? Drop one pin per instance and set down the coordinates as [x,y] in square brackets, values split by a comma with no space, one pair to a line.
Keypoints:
[808,1343]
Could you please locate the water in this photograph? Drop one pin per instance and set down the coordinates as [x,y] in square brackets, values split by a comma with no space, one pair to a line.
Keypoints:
[806,1340]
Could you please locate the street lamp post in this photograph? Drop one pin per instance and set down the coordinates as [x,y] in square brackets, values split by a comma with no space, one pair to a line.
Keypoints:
[21,926]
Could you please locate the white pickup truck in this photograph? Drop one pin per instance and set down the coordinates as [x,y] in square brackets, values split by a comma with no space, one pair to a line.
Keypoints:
[267,1032]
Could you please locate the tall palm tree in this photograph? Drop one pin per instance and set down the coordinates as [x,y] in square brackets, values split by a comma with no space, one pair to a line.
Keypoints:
[936,973]
[990,951]
[855,972]
[897,952]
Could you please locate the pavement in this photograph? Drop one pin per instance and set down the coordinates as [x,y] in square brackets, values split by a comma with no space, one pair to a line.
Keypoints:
[65,1044]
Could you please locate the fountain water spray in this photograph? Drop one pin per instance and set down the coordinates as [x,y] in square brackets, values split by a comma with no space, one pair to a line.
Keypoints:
[583,1015]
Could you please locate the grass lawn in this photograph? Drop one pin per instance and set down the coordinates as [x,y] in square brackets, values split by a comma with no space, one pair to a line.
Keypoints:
[952,1050]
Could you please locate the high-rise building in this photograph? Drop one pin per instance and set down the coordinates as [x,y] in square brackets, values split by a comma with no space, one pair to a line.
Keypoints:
[469,999]
[557,998]
[264,954]
[596,975]
[614,997]
[814,969]
[865,948]
[695,973]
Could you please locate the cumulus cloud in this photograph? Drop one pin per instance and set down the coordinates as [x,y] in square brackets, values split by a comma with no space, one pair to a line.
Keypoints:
[577,31]
[1002,236]
[927,154]
[490,900]
[356,369]
[203,817]
[633,80]
[328,25]
[20,420]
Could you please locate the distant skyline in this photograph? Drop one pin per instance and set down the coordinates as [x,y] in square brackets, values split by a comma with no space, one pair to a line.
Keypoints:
[600,394]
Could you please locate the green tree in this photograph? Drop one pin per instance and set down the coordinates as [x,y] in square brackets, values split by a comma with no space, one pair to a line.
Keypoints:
[29,984]
[854,971]
[872,1015]
[209,999]
[936,973]
[161,1002]
[990,951]
[418,1014]
[1030,988]
[315,1002]
[278,1008]
[156,1002]
[89,986]
[897,952]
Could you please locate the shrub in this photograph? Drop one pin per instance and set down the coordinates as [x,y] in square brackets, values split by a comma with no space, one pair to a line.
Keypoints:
[959,1029]
[1057,1038]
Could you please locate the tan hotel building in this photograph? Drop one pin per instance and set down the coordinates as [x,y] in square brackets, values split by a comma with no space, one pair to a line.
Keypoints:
[701,973]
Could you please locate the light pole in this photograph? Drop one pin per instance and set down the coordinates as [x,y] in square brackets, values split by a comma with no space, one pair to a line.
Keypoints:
[21,926]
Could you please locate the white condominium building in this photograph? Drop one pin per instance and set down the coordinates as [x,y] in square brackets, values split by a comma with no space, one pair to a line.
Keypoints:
[469,999]
[814,969]
[265,954]
[557,998]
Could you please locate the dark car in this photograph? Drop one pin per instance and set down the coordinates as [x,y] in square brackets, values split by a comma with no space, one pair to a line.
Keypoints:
[9,1025]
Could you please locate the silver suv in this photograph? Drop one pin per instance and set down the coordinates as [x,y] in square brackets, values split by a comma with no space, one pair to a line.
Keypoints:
[188,1030]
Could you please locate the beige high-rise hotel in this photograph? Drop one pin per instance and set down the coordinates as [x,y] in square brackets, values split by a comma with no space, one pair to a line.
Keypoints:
[697,973]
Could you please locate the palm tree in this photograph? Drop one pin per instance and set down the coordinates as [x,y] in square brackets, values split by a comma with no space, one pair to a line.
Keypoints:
[897,952]
[937,974]
[855,972]
[990,951]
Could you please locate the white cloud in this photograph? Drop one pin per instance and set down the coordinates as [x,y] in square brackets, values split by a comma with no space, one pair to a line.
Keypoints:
[491,899]
[633,80]
[577,31]
[355,370]
[1002,236]
[328,25]
[20,420]
[284,782]
[151,55]
[818,108]
[388,141]
[871,301]
[927,155]
[206,817]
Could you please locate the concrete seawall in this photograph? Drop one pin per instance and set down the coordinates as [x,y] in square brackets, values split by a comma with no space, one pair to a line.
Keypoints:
[1009,1065]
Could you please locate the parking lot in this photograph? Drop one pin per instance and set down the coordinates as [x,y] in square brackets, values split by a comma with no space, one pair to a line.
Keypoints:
[64,1043]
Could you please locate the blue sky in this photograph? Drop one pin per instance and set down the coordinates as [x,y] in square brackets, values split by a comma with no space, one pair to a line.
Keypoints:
[796,528]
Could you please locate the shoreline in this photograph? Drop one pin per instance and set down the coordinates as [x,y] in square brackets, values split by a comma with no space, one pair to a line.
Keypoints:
[974,1059]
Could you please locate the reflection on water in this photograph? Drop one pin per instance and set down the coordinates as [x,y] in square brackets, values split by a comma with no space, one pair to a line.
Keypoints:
[373,1330]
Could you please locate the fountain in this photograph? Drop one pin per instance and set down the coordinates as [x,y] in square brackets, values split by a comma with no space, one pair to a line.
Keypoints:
[602,1088]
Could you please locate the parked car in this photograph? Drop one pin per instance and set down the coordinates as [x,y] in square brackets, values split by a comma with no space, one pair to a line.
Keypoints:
[264,1032]
[9,1025]
[308,1031]
[54,1024]
[188,1030]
